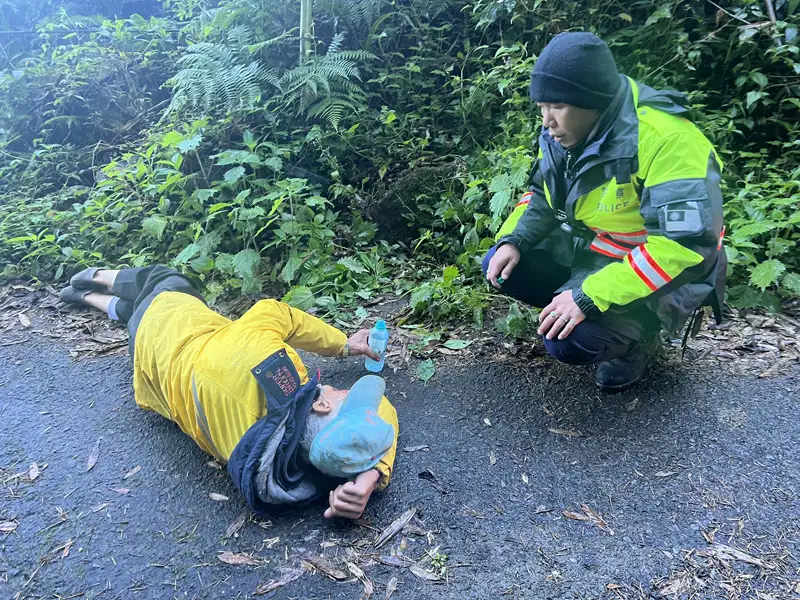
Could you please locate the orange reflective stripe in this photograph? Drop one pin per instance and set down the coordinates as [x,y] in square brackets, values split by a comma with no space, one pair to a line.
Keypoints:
[721,237]
[626,237]
[526,198]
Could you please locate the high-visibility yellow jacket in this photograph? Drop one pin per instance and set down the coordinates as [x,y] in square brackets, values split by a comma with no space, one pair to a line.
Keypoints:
[637,215]
[193,366]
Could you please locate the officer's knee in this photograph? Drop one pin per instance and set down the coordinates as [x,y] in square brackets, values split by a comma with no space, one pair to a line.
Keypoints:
[487,259]
[569,351]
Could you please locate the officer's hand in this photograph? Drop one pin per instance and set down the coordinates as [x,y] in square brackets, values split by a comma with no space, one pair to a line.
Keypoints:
[502,263]
[350,499]
[358,343]
[560,317]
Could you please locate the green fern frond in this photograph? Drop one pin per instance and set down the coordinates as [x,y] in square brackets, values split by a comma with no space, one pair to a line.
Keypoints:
[213,77]
[336,44]
[357,13]
[240,36]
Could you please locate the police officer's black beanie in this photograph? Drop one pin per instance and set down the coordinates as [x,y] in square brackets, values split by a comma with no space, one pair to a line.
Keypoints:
[575,68]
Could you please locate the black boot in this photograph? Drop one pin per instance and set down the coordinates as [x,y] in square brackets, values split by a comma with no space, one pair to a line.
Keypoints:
[620,373]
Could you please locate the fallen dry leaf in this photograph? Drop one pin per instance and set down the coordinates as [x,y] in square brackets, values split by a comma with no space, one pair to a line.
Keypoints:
[213,464]
[597,519]
[94,455]
[775,368]
[391,587]
[288,576]
[369,588]
[421,573]
[323,565]
[98,507]
[525,478]
[632,404]
[589,515]
[122,491]
[428,475]
[33,472]
[8,526]
[231,558]
[395,561]
[218,497]
[487,422]
[565,432]
[576,516]
[24,320]
[396,527]
[423,447]
[666,473]
[492,457]
[240,522]
[355,570]
[132,472]
[727,552]
[67,546]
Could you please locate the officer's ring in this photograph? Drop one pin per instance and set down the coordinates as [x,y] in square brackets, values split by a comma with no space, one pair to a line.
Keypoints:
[565,320]
[553,314]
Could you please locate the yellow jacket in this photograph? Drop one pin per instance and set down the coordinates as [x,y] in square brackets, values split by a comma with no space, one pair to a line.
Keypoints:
[192,366]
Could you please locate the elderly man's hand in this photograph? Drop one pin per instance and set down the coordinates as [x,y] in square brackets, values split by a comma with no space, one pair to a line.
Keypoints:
[350,499]
[560,317]
[358,344]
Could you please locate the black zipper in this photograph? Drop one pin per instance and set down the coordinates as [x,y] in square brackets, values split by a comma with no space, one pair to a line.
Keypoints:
[568,169]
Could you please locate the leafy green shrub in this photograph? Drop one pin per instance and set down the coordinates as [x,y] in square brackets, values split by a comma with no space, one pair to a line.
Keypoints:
[263,172]
[449,298]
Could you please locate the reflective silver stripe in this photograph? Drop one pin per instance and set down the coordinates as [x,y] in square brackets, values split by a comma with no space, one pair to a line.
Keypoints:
[202,421]
[646,271]
[637,237]
[629,238]
[603,247]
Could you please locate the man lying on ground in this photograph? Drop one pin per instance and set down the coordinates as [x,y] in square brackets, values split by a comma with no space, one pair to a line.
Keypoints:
[239,389]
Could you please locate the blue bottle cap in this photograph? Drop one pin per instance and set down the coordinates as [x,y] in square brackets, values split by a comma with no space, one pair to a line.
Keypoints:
[381,324]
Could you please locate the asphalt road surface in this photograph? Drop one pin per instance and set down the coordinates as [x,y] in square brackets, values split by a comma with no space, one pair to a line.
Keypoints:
[686,486]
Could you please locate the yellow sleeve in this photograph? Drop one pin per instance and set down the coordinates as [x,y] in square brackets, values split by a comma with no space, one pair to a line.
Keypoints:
[297,328]
[387,412]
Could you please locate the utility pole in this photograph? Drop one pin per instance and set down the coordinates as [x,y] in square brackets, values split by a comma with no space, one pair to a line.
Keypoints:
[306,23]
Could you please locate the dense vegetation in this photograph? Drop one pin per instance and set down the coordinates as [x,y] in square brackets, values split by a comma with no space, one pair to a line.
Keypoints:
[382,155]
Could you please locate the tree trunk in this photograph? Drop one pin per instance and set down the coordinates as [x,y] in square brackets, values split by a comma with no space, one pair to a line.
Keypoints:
[306,23]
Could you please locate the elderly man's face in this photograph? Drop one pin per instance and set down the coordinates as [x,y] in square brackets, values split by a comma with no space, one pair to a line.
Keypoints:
[329,399]
[567,124]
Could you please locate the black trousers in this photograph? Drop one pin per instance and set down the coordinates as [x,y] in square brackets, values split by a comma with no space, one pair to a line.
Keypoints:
[536,280]
[137,288]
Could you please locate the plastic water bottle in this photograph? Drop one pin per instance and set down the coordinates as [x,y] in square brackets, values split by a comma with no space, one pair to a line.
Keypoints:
[378,340]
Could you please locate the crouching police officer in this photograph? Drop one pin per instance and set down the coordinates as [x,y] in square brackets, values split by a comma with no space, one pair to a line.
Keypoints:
[620,234]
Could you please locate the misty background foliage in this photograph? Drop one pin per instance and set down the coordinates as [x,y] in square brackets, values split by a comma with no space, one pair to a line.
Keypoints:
[378,152]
